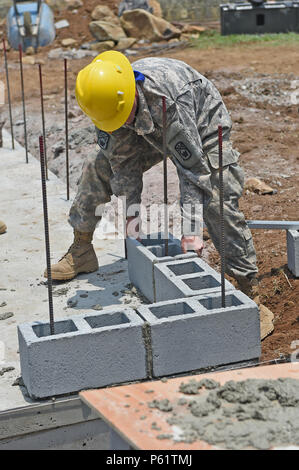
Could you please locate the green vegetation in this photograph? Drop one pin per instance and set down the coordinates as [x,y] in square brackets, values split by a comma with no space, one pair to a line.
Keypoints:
[212,39]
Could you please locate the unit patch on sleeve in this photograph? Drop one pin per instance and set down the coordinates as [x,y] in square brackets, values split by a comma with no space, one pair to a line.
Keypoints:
[103,139]
[182,150]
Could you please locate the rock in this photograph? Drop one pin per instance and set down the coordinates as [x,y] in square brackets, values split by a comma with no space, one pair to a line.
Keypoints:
[60,53]
[125,43]
[97,307]
[156,8]
[57,149]
[29,60]
[104,31]
[68,42]
[127,5]
[73,4]
[143,25]
[102,46]
[57,5]
[62,24]
[30,51]
[104,13]
[193,29]
[257,186]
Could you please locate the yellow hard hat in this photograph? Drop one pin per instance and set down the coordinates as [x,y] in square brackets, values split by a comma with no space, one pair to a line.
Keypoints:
[105,90]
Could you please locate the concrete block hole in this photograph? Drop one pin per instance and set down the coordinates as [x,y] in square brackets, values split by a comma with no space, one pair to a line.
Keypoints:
[213,303]
[102,321]
[157,247]
[185,268]
[61,327]
[171,310]
[202,282]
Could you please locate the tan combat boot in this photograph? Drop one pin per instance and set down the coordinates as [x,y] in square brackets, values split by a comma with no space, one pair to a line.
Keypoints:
[80,258]
[2,227]
[250,287]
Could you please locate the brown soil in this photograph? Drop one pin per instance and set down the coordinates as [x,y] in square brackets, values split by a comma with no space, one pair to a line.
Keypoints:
[265,133]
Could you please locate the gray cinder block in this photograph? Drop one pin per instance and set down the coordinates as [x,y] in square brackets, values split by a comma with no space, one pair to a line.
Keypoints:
[189,334]
[293,251]
[87,351]
[143,256]
[186,278]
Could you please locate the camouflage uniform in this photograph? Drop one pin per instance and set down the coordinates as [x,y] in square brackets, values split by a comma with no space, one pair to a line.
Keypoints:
[194,111]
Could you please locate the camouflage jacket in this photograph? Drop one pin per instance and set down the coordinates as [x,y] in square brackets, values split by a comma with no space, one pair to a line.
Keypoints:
[194,111]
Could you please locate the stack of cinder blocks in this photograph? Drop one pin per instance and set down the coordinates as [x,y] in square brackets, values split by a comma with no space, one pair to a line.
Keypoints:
[188,327]
[185,329]
[142,258]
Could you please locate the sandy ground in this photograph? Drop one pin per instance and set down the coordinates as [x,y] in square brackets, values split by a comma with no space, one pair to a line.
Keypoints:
[256,82]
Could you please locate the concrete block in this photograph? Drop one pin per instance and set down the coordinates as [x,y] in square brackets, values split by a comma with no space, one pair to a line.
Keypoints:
[143,256]
[87,351]
[190,334]
[293,251]
[186,278]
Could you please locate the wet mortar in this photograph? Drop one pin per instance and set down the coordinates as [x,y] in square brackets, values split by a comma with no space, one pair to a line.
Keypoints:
[250,414]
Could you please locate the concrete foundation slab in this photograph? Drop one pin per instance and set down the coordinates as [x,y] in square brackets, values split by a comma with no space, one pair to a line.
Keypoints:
[86,351]
[193,333]
[186,278]
[142,256]
[293,251]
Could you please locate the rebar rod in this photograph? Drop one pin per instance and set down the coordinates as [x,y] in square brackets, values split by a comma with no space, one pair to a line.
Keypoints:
[23,100]
[43,116]
[47,238]
[165,180]
[8,95]
[221,201]
[66,133]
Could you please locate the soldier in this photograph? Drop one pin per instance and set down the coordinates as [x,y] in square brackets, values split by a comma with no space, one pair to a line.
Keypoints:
[3,227]
[124,103]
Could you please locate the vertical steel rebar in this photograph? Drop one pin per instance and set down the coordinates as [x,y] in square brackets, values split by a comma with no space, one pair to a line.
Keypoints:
[47,238]
[8,95]
[23,100]
[221,200]
[66,133]
[165,176]
[43,117]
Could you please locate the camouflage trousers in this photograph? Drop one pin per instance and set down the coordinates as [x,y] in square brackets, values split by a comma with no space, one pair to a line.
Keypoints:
[98,183]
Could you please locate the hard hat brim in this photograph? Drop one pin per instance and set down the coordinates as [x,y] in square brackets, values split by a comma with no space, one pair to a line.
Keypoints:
[127,70]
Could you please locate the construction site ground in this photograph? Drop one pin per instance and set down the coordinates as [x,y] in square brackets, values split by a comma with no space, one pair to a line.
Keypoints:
[256,81]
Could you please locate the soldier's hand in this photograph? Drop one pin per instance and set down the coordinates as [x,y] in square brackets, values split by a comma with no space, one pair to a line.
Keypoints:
[192,243]
[132,227]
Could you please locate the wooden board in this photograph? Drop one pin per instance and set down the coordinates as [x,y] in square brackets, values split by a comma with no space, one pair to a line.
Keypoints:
[125,408]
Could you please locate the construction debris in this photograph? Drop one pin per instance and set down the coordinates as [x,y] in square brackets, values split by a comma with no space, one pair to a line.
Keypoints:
[104,31]
[104,13]
[141,24]
[257,186]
